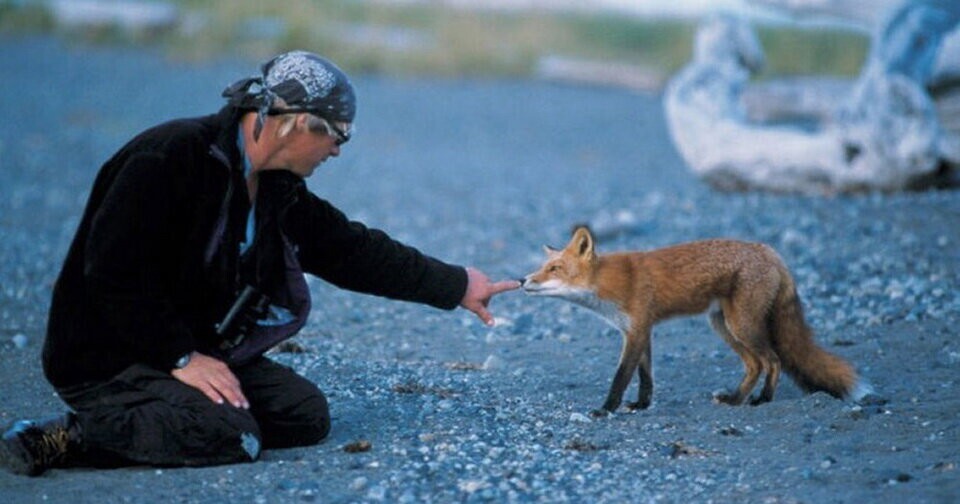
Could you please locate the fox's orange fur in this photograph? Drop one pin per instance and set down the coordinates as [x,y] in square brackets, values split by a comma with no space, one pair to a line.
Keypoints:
[756,310]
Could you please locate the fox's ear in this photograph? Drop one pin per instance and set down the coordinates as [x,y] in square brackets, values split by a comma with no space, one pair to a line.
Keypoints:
[582,242]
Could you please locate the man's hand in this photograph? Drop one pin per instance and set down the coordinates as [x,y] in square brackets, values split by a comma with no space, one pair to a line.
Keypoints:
[479,291]
[214,378]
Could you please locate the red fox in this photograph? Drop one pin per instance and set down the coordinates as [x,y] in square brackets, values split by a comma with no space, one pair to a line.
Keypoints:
[756,310]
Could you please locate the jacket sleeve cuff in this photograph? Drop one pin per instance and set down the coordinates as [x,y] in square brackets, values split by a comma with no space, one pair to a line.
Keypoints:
[446,285]
[165,359]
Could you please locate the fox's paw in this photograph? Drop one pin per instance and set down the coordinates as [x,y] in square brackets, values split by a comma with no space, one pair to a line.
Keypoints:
[728,398]
[872,399]
[600,413]
[758,400]
[639,405]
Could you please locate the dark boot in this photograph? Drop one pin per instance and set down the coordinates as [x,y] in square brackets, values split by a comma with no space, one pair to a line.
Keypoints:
[31,447]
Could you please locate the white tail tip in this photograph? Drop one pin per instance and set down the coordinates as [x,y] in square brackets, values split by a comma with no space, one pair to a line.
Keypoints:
[861,389]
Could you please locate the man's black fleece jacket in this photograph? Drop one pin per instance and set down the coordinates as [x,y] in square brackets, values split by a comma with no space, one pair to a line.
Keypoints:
[146,277]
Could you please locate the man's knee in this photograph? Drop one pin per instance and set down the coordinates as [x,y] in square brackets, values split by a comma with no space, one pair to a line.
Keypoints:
[307,424]
[315,424]
[323,423]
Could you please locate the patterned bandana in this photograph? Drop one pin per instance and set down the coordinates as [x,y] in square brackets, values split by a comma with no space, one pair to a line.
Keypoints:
[305,81]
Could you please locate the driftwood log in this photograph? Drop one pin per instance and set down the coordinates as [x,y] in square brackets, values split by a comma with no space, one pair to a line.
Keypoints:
[890,129]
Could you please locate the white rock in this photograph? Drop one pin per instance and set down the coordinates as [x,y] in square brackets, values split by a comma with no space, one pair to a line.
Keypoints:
[492,362]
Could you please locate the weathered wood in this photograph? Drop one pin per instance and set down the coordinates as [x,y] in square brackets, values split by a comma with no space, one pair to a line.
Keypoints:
[880,132]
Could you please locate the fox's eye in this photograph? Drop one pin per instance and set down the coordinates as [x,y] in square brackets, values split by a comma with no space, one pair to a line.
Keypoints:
[554,268]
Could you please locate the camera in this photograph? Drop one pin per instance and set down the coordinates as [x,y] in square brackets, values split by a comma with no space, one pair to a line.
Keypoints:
[251,305]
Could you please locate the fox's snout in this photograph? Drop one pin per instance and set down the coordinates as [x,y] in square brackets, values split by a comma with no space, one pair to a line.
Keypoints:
[525,283]
[528,285]
[536,287]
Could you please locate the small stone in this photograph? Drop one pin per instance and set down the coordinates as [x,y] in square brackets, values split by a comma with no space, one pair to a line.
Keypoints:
[581,446]
[731,431]
[358,446]
[944,466]
[579,418]
[492,362]
[19,341]
[827,463]
[471,486]
[899,477]
[857,413]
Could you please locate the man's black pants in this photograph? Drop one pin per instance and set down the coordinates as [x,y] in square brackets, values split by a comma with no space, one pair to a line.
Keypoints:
[146,416]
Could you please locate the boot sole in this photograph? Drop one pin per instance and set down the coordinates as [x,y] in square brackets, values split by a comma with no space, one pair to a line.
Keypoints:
[14,461]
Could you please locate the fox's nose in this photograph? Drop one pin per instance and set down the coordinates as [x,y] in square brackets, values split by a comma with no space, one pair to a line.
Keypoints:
[522,281]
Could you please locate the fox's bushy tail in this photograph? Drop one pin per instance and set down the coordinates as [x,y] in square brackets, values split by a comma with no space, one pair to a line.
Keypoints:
[812,368]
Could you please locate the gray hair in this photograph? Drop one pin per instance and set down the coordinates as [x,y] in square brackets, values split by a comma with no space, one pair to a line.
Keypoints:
[314,123]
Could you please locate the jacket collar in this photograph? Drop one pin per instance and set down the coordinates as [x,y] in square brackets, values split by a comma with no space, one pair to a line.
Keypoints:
[225,149]
[224,146]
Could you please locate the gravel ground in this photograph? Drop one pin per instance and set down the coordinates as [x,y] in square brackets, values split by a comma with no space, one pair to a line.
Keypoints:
[432,406]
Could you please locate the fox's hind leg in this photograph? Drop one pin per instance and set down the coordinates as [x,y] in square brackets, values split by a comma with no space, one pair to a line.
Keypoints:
[772,369]
[751,363]
[746,323]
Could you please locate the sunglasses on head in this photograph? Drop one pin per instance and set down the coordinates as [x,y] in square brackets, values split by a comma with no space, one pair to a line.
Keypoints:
[340,135]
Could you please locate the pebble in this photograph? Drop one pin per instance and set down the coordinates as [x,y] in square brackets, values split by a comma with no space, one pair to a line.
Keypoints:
[492,362]
[19,341]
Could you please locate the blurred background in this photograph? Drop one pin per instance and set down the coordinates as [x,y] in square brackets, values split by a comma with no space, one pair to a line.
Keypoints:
[810,76]
[629,43]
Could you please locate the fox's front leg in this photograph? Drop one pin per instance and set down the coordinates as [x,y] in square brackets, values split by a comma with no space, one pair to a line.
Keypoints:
[635,342]
[645,371]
